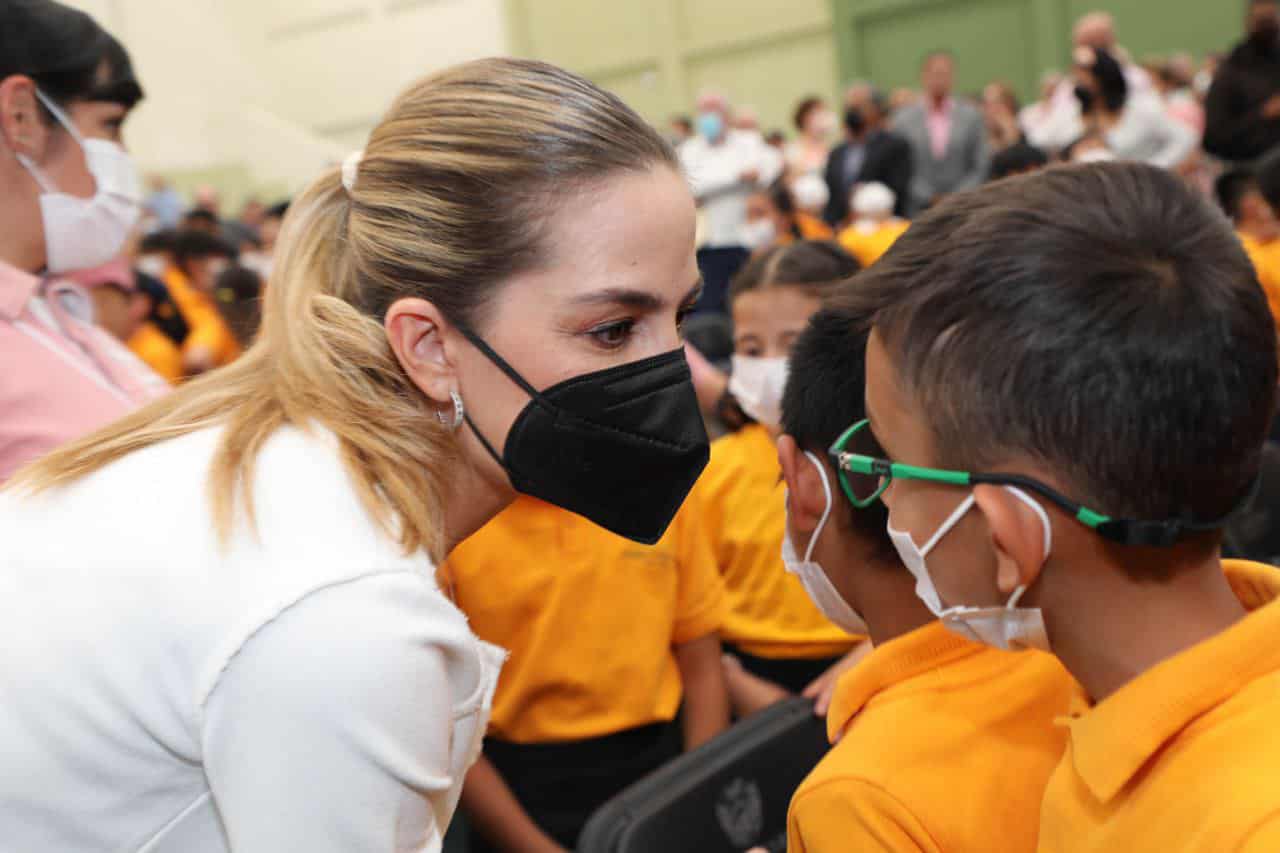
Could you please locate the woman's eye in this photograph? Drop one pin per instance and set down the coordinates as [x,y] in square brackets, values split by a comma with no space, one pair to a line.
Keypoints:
[613,335]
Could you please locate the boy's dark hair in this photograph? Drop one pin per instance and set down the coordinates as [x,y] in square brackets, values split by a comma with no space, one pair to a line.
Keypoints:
[825,395]
[202,216]
[1230,189]
[237,293]
[193,245]
[1016,159]
[277,210]
[816,265]
[1102,320]
[157,241]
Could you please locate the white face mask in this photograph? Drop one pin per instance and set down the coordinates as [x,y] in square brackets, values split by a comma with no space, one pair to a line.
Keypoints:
[81,233]
[816,583]
[1009,627]
[757,385]
[153,265]
[758,234]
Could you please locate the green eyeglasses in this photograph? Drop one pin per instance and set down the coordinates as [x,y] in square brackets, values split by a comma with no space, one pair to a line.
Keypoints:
[864,473]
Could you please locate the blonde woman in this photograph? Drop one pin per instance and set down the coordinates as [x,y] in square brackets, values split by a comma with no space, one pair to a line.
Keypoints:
[221,629]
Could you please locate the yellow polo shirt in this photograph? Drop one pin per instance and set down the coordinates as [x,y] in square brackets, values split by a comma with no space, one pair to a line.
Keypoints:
[869,246]
[159,352]
[941,744]
[1266,263]
[770,614]
[208,329]
[1185,757]
[589,618]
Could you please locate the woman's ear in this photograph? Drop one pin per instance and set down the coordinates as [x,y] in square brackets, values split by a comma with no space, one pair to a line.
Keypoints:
[807,500]
[415,330]
[21,130]
[1017,536]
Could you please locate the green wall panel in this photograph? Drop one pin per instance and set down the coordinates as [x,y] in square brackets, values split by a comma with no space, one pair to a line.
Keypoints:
[1015,40]
[987,38]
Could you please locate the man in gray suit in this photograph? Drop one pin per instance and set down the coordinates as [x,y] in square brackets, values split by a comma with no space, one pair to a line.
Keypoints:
[947,136]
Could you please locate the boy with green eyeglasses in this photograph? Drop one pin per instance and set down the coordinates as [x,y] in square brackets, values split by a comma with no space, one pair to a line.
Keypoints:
[1069,381]
[941,743]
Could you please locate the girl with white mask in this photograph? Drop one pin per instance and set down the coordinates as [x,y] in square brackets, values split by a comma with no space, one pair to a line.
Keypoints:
[70,196]
[779,642]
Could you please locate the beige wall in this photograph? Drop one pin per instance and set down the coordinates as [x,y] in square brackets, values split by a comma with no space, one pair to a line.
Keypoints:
[260,95]
[658,55]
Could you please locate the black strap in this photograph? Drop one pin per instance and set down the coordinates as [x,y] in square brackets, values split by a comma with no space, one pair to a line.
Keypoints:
[484,441]
[500,362]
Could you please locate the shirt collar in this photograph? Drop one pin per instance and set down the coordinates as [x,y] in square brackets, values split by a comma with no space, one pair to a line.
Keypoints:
[1111,742]
[942,109]
[16,289]
[925,649]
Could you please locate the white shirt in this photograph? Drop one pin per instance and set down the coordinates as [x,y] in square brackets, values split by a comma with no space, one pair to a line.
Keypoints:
[715,175]
[306,689]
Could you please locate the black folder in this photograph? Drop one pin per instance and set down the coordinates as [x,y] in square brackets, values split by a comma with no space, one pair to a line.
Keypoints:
[730,795]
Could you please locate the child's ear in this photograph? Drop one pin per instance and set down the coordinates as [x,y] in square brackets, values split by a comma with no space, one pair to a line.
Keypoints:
[806,499]
[1017,536]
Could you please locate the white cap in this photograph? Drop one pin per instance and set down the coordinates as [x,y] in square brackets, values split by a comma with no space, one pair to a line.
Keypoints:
[810,192]
[874,199]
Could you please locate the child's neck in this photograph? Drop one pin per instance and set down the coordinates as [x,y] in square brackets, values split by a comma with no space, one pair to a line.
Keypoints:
[889,605]
[1108,629]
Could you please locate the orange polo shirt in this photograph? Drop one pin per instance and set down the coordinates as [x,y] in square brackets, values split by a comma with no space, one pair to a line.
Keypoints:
[589,618]
[159,352]
[1266,263]
[869,246]
[941,744]
[208,329]
[1185,757]
[770,614]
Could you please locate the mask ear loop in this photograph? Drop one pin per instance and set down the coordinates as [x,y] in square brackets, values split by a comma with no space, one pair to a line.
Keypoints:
[46,185]
[1048,538]
[826,513]
[945,527]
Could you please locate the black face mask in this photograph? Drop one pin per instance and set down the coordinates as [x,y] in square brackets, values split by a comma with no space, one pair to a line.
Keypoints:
[621,447]
[854,121]
[1085,97]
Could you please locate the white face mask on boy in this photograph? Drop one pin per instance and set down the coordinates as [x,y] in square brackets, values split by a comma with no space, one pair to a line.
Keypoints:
[757,384]
[816,583]
[1009,627]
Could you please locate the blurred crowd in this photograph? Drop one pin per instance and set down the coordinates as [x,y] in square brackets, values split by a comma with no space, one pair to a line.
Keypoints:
[859,170]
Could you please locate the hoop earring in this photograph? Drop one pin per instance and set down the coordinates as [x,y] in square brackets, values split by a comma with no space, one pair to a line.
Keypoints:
[458,413]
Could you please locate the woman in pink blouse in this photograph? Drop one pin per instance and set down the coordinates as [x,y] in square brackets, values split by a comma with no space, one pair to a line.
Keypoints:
[70,195]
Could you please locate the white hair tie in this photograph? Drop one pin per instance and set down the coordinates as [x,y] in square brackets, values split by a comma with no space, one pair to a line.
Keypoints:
[350,167]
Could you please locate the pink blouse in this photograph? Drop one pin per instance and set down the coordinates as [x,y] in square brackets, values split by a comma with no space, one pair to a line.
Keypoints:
[61,377]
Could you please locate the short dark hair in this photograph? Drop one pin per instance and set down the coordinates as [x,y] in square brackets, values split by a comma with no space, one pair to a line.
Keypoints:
[807,105]
[193,245]
[157,241]
[826,394]
[1121,340]
[1267,173]
[65,51]
[277,210]
[1016,159]
[199,214]
[1231,187]
[816,265]
[1111,80]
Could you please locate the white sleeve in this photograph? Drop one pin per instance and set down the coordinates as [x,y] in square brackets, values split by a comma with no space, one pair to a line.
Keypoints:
[1177,141]
[331,729]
